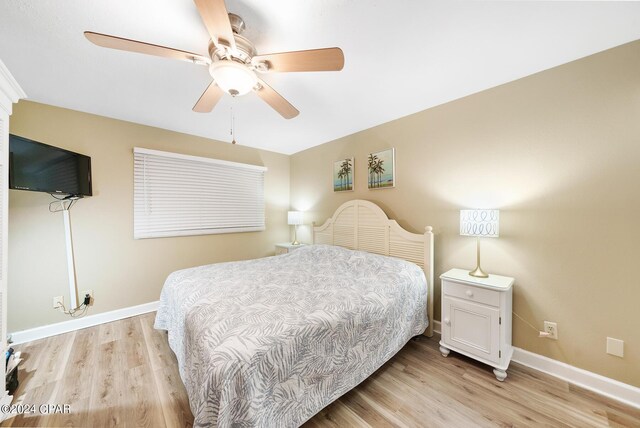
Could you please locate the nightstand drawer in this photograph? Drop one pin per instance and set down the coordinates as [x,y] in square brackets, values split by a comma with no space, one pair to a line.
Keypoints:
[471,293]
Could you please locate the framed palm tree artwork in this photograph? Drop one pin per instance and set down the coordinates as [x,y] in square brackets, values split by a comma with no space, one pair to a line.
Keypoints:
[381,168]
[343,175]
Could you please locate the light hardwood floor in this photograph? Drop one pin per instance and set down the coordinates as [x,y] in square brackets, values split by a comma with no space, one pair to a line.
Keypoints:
[124,374]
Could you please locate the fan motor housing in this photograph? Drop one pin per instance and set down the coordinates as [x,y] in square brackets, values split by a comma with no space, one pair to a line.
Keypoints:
[237,23]
[244,48]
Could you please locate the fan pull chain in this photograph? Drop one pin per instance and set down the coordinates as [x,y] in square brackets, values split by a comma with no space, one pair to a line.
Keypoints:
[233,132]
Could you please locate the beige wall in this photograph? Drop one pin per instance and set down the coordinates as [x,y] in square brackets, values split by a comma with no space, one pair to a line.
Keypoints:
[121,271]
[559,154]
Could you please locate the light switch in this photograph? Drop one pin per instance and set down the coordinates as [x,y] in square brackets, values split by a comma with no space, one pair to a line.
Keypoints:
[615,347]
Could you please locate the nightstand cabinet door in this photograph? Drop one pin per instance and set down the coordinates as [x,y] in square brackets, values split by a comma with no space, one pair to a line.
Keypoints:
[472,327]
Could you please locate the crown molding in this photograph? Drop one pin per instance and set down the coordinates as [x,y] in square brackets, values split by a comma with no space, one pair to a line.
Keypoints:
[10,90]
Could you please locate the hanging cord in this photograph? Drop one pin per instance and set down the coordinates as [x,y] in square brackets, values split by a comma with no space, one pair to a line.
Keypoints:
[525,321]
[69,200]
[233,130]
[540,333]
[76,312]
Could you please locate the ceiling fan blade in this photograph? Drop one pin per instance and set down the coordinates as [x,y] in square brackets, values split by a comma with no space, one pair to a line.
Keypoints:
[208,99]
[129,45]
[327,59]
[216,18]
[276,101]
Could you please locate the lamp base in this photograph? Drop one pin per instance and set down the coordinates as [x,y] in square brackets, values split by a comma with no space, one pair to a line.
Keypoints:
[295,235]
[479,273]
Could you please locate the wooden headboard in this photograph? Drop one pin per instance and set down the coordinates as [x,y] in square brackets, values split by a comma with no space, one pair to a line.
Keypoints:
[362,225]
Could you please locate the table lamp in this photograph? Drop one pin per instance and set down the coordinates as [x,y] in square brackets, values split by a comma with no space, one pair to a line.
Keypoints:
[481,224]
[294,219]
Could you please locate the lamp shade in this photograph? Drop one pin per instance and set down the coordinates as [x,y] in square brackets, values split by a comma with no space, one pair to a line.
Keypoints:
[484,223]
[294,217]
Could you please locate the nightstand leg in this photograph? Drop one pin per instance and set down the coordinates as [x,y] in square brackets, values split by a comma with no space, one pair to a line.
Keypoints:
[444,351]
[501,375]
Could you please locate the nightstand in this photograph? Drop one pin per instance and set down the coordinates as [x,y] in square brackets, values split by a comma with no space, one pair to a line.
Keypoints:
[287,248]
[476,318]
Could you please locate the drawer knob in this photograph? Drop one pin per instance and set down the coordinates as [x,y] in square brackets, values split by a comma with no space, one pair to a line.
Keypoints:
[469,293]
[447,321]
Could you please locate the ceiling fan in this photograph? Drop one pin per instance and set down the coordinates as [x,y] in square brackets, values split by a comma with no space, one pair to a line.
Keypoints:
[233,61]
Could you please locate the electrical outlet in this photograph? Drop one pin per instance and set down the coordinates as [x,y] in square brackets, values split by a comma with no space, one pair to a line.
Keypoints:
[58,302]
[552,329]
[84,293]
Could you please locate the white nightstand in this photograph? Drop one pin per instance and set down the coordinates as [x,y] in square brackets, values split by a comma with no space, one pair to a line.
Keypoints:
[287,248]
[476,318]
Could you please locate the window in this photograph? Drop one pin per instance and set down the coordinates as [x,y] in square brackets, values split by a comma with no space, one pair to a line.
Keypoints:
[177,195]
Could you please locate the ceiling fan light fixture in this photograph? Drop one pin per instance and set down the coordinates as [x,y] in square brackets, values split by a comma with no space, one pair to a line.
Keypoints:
[232,77]
[233,61]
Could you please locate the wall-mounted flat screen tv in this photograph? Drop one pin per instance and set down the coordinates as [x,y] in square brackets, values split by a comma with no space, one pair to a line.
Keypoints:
[42,168]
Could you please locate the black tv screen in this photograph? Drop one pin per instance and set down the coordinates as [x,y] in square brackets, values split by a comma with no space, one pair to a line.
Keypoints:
[43,168]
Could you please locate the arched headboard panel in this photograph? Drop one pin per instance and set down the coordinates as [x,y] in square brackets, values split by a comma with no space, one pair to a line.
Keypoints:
[362,225]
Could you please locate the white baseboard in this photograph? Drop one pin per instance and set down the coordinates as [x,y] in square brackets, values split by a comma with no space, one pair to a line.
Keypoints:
[602,385]
[80,323]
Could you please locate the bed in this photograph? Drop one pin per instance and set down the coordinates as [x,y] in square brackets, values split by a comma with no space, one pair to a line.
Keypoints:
[271,341]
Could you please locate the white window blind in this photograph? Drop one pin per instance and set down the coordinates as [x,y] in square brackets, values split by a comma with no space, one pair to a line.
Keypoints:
[177,195]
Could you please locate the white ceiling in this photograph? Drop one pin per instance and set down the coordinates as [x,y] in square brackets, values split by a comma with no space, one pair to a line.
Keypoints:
[400,57]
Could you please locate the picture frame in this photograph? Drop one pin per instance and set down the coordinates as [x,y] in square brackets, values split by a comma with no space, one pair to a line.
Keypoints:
[343,175]
[381,169]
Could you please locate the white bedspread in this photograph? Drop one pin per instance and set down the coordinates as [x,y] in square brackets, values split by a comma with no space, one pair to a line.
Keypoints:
[270,342]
